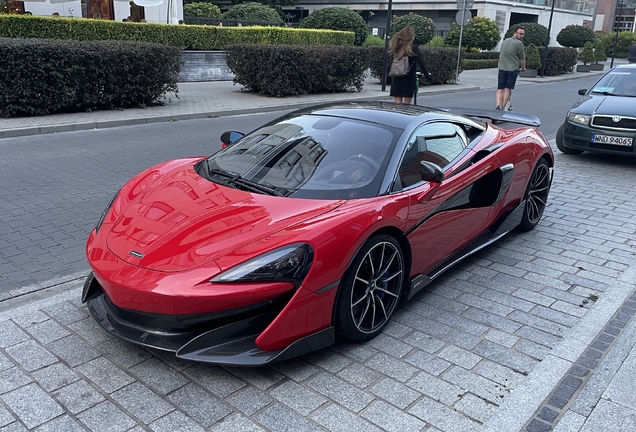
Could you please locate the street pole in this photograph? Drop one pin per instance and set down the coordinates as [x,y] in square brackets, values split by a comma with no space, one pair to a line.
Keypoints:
[459,49]
[385,60]
[620,17]
[547,42]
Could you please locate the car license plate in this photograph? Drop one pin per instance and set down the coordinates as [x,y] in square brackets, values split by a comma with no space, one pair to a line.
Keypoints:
[612,140]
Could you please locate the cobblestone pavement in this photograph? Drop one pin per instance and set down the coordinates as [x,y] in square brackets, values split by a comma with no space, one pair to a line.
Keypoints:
[467,352]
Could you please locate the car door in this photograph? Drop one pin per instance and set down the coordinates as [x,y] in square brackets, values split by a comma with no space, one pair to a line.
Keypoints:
[444,217]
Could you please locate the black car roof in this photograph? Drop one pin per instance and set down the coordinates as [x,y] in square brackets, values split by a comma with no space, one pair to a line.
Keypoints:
[386,113]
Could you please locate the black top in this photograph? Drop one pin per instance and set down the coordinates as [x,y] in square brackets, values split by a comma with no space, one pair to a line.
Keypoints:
[632,54]
[405,86]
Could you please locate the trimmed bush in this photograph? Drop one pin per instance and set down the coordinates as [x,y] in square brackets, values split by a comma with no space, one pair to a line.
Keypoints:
[586,55]
[599,53]
[559,60]
[575,36]
[253,11]
[335,18]
[190,37]
[479,63]
[283,70]
[437,41]
[486,55]
[480,32]
[440,61]
[200,9]
[373,40]
[536,34]
[424,27]
[625,40]
[533,60]
[50,76]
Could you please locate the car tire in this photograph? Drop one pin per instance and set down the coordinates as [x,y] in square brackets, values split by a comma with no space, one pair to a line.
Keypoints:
[536,196]
[560,143]
[371,289]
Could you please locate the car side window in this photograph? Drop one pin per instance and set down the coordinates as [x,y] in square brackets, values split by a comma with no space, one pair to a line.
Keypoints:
[438,143]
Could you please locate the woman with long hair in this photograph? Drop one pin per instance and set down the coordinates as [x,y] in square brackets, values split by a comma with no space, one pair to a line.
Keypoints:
[403,87]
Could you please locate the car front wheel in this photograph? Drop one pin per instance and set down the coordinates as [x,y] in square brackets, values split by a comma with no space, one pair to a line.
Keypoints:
[560,143]
[371,288]
[536,196]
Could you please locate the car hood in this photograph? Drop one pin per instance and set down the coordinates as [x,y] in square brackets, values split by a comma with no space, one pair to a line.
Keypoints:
[606,105]
[184,221]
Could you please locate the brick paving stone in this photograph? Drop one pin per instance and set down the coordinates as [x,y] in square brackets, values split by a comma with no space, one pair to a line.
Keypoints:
[425,325]
[328,359]
[47,331]
[532,349]
[462,339]
[424,342]
[32,405]
[106,417]
[235,423]
[199,404]
[261,378]
[55,376]
[538,323]
[11,335]
[392,419]
[340,392]
[105,374]
[123,353]
[502,375]
[64,423]
[390,346]
[249,400]
[89,330]
[31,356]
[501,338]
[78,396]
[66,313]
[158,376]
[508,300]
[475,408]
[441,416]
[459,356]
[439,302]
[506,357]
[298,398]
[73,350]
[435,388]
[214,378]
[466,325]
[177,421]
[395,392]
[391,367]
[359,375]
[492,320]
[141,402]
[5,362]
[11,379]
[5,417]
[280,419]
[396,330]
[476,384]
[297,369]
[533,297]
[427,362]
[355,351]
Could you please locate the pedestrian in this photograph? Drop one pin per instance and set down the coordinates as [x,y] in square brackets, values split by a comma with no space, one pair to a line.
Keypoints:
[403,87]
[512,55]
[632,54]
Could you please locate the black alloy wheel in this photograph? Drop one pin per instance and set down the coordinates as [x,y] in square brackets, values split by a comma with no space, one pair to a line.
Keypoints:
[536,196]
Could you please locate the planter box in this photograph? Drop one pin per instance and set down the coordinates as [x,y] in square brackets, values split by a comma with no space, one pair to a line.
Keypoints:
[583,68]
[528,73]
[204,66]
[597,67]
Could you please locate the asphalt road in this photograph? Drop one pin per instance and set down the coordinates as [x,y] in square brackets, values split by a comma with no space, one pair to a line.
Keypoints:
[55,186]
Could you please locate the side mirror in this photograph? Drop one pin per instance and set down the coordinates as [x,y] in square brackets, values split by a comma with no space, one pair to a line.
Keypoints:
[431,172]
[582,92]
[229,137]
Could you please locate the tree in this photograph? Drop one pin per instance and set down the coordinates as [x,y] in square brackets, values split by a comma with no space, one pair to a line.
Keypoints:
[480,32]
[274,4]
[424,27]
[335,18]
[200,9]
[625,39]
[536,34]
[533,59]
[575,36]
[253,11]
[586,55]
[599,53]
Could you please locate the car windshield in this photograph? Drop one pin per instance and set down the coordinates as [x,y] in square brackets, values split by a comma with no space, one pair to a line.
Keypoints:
[308,156]
[617,83]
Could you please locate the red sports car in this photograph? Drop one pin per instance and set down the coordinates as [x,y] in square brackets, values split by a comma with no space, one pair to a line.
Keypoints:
[315,225]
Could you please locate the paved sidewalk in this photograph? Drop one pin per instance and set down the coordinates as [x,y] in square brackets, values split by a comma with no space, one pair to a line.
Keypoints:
[223,98]
[446,363]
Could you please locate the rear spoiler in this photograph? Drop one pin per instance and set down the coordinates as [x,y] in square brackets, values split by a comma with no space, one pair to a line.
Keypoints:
[496,116]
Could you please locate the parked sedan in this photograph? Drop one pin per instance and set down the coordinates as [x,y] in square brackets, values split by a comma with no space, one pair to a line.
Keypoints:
[604,120]
[315,225]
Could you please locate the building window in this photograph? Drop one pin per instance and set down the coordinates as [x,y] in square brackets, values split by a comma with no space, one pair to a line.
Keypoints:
[11,7]
[137,13]
[98,9]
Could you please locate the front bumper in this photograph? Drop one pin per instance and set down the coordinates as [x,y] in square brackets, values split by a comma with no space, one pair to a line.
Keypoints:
[227,337]
[579,137]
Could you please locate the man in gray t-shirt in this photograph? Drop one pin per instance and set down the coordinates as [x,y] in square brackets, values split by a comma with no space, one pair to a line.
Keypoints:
[511,55]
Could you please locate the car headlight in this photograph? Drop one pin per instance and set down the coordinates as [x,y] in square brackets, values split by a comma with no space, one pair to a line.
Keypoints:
[290,263]
[105,212]
[583,119]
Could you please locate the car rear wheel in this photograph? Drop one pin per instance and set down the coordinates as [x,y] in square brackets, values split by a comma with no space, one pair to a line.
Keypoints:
[371,288]
[560,142]
[536,196]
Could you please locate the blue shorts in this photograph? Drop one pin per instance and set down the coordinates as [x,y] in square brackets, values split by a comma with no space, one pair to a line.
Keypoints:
[507,79]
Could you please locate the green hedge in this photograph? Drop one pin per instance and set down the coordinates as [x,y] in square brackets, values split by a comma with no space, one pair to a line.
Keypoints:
[559,60]
[191,37]
[43,76]
[282,70]
[468,64]
[440,61]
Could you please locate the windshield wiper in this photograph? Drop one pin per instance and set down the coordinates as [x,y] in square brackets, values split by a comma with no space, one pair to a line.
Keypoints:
[256,187]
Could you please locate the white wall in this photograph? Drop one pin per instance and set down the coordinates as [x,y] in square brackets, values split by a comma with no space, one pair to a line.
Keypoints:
[155,14]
